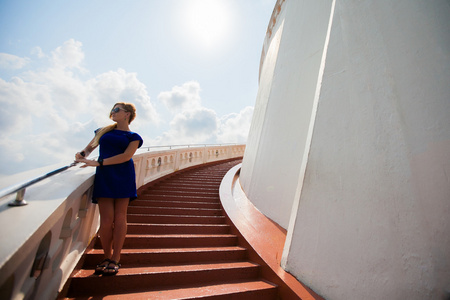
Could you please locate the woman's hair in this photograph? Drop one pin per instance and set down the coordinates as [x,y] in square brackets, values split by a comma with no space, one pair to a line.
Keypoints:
[129,107]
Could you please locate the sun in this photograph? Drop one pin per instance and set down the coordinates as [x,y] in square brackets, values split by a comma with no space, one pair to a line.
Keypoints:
[208,22]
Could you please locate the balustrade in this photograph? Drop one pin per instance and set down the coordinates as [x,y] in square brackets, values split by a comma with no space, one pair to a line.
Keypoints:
[43,241]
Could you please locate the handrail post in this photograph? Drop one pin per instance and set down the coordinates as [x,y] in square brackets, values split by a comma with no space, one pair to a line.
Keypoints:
[19,201]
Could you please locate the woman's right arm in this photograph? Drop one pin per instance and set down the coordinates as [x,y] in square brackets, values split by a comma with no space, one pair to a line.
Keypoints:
[86,151]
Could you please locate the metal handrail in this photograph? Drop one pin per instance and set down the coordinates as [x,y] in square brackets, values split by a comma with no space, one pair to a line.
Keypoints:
[20,188]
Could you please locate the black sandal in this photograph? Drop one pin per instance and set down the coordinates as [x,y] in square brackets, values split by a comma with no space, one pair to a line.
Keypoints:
[102,266]
[114,266]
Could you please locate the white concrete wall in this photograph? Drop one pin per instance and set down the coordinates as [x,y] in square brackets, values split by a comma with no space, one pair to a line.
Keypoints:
[283,107]
[372,215]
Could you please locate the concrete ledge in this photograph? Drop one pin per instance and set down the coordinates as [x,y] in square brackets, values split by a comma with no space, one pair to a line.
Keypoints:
[263,238]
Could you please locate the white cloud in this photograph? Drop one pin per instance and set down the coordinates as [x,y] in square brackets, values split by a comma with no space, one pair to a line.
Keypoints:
[121,86]
[19,101]
[49,114]
[38,52]
[12,62]
[69,55]
[182,97]
[195,124]
[234,127]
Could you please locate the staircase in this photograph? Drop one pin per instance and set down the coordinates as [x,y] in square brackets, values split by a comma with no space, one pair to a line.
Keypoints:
[178,246]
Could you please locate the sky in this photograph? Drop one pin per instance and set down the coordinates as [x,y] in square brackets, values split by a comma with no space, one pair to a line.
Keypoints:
[190,66]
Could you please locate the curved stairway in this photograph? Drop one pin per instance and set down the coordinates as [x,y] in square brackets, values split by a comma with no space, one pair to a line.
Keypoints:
[178,246]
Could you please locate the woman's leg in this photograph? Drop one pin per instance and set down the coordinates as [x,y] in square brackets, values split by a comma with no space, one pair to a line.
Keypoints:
[120,226]
[106,208]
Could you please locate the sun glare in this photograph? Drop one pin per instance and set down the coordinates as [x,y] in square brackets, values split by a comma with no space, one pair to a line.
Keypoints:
[208,22]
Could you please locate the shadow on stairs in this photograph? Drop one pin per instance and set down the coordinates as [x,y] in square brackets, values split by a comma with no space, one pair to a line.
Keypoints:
[178,246]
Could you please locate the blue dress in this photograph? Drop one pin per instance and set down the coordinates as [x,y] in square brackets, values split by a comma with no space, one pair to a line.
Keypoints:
[119,180]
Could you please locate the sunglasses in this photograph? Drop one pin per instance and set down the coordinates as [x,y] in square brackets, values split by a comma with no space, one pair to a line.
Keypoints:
[117,109]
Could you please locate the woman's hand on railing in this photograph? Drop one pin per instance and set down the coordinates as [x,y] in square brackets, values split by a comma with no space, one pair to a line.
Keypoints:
[80,155]
[87,162]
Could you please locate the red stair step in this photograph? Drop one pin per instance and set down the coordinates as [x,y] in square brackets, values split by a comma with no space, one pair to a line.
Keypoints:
[183,190]
[186,204]
[176,241]
[170,219]
[188,183]
[196,198]
[248,290]
[185,179]
[174,211]
[149,257]
[138,228]
[148,278]
[182,193]
[193,177]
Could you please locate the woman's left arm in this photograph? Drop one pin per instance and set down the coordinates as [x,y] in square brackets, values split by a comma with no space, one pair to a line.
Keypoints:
[113,160]
[121,158]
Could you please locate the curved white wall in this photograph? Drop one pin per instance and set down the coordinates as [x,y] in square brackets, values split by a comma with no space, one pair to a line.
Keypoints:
[370,217]
[283,107]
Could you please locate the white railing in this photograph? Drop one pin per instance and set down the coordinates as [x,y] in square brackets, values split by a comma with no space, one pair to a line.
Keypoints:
[152,165]
[42,242]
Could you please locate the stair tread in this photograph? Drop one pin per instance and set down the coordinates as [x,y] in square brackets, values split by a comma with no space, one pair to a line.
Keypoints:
[173,250]
[171,219]
[124,271]
[165,197]
[161,204]
[194,179]
[182,192]
[142,228]
[179,208]
[173,202]
[178,224]
[184,184]
[164,215]
[189,183]
[131,257]
[180,236]
[196,292]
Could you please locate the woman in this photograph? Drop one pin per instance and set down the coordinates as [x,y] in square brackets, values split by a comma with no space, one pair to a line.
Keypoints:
[115,183]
